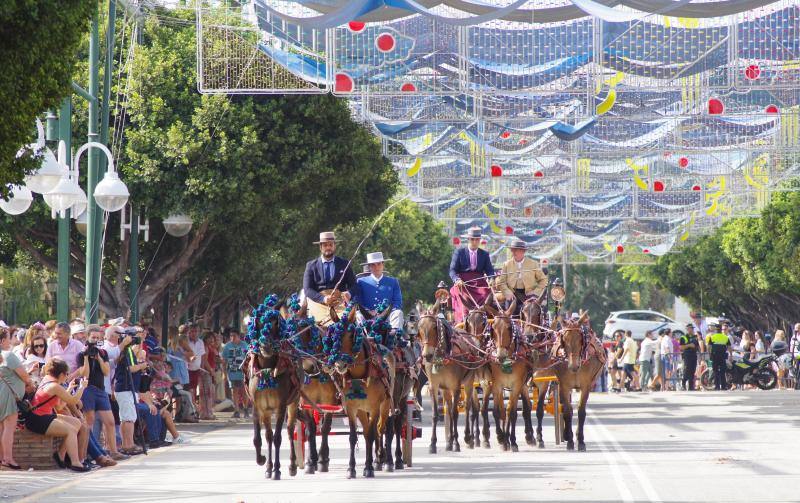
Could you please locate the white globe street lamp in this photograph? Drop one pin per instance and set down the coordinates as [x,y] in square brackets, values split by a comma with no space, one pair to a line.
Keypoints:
[178,225]
[65,194]
[19,200]
[111,194]
[81,222]
[48,176]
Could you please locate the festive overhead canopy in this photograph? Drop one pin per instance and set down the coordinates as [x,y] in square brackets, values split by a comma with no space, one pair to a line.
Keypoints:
[596,130]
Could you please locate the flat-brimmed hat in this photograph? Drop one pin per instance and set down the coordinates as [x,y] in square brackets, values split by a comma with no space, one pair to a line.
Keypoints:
[517,244]
[375,258]
[326,237]
[473,233]
[77,328]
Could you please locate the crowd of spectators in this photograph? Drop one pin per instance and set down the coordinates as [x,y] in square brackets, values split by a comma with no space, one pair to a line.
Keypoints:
[112,391]
[655,362]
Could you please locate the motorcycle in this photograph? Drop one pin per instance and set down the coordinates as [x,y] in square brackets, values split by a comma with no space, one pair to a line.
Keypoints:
[759,372]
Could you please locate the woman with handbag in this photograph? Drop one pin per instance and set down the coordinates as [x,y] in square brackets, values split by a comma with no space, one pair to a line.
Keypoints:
[14,383]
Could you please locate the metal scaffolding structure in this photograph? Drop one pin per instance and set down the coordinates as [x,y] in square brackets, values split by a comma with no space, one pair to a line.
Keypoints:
[598,131]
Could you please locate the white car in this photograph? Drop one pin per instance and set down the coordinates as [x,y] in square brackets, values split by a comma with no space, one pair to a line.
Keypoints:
[638,322]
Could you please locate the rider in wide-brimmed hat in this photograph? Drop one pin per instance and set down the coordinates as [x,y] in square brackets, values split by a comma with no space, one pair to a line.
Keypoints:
[471,270]
[520,276]
[328,279]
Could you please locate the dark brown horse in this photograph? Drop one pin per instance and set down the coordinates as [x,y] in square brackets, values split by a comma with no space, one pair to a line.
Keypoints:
[449,360]
[478,326]
[317,387]
[274,387]
[364,379]
[576,360]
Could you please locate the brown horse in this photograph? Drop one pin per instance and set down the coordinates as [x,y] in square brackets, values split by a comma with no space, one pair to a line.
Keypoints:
[532,319]
[317,388]
[274,387]
[449,360]
[364,380]
[477,325]
[576,361]
[393,417]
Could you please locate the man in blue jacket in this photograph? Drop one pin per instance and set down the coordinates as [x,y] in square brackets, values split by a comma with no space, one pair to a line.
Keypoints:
[329,280]
[471,271]
[375,287]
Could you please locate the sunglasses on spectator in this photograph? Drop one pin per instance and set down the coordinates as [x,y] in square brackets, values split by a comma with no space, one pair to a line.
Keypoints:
[38,346]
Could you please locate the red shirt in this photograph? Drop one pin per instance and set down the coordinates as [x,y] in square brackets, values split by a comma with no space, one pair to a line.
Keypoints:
[43,397]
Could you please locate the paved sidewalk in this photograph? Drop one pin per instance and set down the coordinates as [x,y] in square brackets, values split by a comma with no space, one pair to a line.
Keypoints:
[678,446]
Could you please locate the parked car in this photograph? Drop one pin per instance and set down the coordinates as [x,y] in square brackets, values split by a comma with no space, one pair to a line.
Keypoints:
[638,322]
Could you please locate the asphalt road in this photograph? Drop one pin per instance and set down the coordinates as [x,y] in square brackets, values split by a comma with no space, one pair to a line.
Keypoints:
[737,446]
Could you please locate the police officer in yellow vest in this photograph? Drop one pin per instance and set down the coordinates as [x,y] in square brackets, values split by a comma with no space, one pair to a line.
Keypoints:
[720,347]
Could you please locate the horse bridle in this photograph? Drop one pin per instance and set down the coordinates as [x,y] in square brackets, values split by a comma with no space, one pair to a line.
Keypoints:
[441,338]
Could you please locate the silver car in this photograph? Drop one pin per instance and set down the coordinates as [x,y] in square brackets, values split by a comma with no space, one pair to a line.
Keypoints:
[638,322]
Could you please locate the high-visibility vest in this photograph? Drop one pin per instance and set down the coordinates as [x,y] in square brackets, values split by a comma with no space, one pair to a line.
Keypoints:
[719,341]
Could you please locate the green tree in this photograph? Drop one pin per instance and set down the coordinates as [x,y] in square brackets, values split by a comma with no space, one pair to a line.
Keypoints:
[38,54]
[417,244]
[259,175]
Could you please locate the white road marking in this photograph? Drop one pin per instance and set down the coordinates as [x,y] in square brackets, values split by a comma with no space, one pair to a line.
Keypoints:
[619,480]
[644,481]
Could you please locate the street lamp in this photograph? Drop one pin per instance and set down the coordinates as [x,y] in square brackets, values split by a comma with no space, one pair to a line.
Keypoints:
[47,177]
[112,194]
[178,225]
[19,200]
[81,222]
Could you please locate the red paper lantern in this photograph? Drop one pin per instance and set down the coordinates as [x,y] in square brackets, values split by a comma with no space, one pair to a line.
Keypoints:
[696,188]
[522,141]
[538,174]
[646,250]
[408,87]
[483,241]
[752,72]
[683,162]
[456,241]
[356,26]
[496,170]
[538,232]
[344,83]
[620,249]
[771,109]
[505,134]
[658,186]
[385,42]
[715,106]
[509,230]
[544,261]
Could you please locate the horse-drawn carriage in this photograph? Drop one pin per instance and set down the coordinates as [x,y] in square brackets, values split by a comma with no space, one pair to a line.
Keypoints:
[303,369]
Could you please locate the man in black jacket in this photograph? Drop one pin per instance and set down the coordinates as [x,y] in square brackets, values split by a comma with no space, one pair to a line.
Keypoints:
[328,279]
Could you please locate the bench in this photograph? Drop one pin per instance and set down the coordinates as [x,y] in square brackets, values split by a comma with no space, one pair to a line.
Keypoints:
[32,450]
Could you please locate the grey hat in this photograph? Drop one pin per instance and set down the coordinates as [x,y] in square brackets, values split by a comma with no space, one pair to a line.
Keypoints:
[473,233]
[518,244]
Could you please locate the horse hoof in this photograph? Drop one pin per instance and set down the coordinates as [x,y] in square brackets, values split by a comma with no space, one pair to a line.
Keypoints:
[292,471]
[369,473]
[470,445]
[486,444]
[276,475]
[570,446]
[261,460]
[309,469]
[323,467]
[504,447]
[540,444]
[529,440]
[268,474]
[399,465]
[351,473]
[514,448]
[432,449]
[581,447]
[457,448]
[389,467]
[448,447]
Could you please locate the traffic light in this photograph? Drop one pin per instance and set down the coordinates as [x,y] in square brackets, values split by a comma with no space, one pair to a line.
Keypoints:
[636,298]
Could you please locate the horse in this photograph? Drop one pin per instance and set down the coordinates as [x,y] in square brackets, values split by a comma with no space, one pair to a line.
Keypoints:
[532,320]
[582,362]
[477,325]
[446,370]
[317,388]
[352,361]
[390,424]
[273,385]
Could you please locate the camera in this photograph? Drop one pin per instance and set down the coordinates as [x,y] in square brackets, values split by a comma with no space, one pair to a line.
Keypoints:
[91,349]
